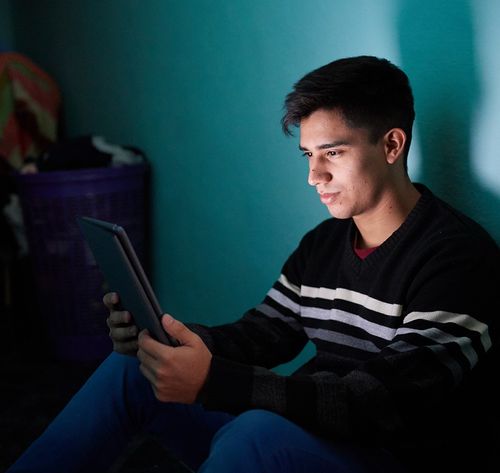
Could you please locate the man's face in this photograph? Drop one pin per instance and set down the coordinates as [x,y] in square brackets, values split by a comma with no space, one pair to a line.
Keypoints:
[349,171]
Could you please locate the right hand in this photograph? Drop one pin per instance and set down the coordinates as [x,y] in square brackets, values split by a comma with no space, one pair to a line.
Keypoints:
[122,330]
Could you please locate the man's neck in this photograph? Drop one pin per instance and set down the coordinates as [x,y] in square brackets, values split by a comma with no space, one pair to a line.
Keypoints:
[389,215]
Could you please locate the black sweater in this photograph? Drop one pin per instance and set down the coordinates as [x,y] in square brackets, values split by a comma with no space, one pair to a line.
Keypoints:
[399,335]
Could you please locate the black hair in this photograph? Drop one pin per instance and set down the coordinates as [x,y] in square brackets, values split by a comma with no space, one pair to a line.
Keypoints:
[369,92]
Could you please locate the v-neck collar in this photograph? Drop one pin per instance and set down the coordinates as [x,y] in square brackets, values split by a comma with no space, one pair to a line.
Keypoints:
[382,250]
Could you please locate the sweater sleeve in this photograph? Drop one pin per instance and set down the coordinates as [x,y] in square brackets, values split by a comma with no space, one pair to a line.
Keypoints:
[411,384]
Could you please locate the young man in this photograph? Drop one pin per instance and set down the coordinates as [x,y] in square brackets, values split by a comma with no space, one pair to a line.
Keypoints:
[396,291]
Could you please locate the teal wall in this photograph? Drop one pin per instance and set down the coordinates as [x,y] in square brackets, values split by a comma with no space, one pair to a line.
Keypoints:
[6,33]
[199,85]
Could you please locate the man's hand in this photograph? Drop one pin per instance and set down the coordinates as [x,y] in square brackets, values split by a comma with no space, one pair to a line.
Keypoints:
[176,374]
[122,330]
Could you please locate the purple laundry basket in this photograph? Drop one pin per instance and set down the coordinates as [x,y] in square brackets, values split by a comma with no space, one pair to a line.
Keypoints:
[69,284]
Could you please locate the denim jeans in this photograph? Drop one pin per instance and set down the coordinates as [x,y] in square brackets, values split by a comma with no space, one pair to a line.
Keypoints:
[117,403]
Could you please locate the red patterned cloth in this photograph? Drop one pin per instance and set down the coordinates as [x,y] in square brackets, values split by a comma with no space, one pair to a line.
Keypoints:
[29,109]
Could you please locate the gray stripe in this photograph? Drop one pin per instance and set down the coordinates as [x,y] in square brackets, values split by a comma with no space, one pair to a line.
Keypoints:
[387,333]
[274,314]
[442,355]
[442,337]
[341,339]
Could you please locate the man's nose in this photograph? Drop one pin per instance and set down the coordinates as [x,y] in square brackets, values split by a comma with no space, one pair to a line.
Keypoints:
[317,173]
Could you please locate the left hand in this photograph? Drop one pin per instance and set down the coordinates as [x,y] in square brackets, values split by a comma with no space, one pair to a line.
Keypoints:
[176,374]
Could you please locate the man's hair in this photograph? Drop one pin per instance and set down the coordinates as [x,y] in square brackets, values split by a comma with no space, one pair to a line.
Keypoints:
[369,92]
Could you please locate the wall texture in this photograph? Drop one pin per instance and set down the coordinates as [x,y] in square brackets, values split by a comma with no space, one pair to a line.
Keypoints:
[199,86]
[6,34]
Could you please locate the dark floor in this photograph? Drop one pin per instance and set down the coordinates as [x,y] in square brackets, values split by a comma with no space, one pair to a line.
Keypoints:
[34,388]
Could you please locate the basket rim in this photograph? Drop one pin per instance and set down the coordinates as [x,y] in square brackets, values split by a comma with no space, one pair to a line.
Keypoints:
[82,174]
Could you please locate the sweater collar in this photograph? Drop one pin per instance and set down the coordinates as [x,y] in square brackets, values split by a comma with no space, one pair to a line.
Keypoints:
[425,197]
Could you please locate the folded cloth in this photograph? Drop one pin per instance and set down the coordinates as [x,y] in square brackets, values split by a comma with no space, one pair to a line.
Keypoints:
[29,109]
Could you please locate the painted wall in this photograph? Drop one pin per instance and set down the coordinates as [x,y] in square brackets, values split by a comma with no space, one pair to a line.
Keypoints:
[199,85]
[6,33]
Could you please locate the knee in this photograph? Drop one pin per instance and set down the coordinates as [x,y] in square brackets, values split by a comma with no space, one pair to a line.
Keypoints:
[256,431]
[116,372]
[256,424]
[248,443]
[119,363]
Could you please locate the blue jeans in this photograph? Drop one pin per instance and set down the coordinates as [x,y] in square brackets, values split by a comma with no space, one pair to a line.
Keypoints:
[117,403]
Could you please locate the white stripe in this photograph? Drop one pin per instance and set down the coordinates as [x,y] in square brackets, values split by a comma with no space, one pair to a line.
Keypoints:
[353,320]
[464,320]
[371,303]
[283,280]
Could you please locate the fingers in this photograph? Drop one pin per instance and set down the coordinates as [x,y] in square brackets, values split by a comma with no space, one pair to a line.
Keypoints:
[148,360]
[178,330]
[154,349]
[123,333]
[111,300]
[122,330]
[176,373]
[129,347]
[124,339]
[119,317]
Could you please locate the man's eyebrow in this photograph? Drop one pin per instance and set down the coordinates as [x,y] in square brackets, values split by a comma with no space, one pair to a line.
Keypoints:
[334,144]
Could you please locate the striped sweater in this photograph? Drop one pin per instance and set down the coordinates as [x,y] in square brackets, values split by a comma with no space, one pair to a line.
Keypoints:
[399,335]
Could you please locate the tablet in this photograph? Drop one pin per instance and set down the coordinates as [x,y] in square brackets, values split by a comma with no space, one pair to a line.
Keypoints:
[122,270]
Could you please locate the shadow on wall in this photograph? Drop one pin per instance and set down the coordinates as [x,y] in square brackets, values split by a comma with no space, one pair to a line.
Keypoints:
[438,53]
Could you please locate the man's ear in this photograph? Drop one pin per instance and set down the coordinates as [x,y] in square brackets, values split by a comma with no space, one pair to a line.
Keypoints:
[394,143]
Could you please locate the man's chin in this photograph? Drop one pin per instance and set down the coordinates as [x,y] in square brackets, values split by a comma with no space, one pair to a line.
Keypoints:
[338,213]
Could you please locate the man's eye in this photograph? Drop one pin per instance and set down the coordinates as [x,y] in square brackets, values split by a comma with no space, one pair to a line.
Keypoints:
[332,154]
[307,154]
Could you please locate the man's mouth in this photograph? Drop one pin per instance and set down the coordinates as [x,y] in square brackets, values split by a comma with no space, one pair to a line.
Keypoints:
[328,198]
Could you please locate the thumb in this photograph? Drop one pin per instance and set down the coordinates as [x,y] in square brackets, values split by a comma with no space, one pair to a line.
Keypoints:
[177,330]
